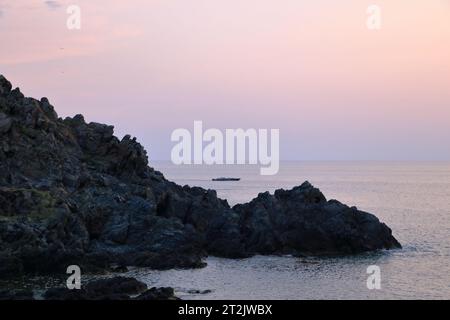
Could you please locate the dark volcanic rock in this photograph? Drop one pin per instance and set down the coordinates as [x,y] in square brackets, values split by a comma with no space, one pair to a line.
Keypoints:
[73,193]
[302,221]
[118,288]
[158,294]
[194,291]
[116,285]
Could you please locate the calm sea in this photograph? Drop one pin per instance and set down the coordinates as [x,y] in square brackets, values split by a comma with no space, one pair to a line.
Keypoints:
[412,198]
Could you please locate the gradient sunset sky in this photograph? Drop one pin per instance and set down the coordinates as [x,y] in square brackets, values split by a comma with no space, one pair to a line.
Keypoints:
[334,88]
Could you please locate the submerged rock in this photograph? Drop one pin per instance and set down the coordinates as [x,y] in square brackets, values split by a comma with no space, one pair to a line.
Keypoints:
[73,193]
[158,294]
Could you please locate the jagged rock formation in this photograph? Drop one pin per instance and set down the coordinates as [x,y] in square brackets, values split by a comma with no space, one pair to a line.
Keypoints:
[73,193]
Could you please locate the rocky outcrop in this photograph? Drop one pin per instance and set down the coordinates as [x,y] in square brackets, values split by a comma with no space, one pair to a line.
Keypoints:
[164,293]
[302,221]
[73,193]
[118,288]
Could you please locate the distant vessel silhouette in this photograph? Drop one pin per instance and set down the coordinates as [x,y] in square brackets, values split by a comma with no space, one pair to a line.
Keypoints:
[226,179]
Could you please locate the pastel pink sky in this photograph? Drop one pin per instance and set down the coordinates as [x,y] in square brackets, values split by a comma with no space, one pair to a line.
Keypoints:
[336,90]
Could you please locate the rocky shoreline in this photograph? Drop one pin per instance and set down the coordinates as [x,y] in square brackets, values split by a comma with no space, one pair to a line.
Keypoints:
[115,288]
[73,193]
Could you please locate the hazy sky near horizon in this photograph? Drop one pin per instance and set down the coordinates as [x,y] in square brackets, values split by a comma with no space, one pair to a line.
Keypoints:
[334,88]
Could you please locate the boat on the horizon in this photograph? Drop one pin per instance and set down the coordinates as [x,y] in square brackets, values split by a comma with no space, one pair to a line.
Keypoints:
[226,179]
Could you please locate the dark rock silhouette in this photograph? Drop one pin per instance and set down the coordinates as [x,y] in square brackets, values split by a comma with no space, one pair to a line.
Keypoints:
[73,193]
[118,288]
[302,221]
